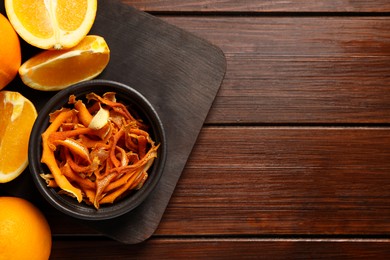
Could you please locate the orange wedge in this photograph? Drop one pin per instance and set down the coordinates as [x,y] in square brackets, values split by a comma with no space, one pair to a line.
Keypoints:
[17,118]
[54,70]
[52,24]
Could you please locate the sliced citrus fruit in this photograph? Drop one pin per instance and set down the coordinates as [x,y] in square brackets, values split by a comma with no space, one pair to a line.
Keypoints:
[54,70]
[10,54]
[51,24]
[17,118]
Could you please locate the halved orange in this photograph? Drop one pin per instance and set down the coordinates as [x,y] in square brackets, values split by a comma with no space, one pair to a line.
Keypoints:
[17,116]
[54,70]
[52,24]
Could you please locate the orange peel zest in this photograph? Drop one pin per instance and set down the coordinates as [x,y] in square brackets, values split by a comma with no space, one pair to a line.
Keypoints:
[49,159]
[102,163]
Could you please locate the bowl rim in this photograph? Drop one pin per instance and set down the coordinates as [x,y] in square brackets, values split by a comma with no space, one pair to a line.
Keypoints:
[70,206]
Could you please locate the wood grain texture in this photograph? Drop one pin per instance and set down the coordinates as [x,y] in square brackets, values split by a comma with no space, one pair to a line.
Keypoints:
[261,6]
[263,181]
[171,248]
[299,70]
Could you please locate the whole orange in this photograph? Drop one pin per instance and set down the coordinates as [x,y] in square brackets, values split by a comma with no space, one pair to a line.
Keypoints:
[24,231]
[10,53]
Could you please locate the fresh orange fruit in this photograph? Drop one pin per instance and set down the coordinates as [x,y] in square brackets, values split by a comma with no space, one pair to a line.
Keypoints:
[51,24]
[17,116]
[10,54]
[24,230]
[53,70]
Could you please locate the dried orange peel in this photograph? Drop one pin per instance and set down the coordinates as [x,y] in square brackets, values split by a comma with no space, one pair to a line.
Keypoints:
[97,153]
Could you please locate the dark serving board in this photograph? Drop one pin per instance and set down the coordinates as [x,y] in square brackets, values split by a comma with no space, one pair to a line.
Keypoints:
[178,72]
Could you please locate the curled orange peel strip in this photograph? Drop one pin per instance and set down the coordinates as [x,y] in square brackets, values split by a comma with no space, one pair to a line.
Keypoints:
[76,147]
[49,159]
[84,116]
[100,119]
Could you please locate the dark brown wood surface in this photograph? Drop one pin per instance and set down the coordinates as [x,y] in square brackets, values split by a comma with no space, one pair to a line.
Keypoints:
[294,158]
[261,6]
[299,70]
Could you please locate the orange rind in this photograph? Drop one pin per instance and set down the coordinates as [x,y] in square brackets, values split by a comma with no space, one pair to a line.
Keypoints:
[92,167]
[10,52]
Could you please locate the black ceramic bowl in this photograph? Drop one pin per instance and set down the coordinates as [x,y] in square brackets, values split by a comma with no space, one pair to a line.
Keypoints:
[125,95]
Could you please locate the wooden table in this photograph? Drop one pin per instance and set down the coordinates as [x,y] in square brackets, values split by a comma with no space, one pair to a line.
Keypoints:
[294,158]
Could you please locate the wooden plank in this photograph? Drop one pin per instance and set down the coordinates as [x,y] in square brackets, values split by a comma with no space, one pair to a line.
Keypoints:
[259,181]
[284,70]
[163,248]
[260,6]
